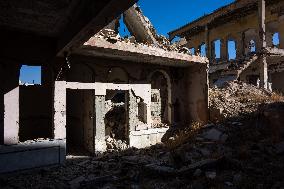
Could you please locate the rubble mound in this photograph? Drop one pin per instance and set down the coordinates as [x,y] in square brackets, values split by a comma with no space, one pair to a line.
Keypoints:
[236,100]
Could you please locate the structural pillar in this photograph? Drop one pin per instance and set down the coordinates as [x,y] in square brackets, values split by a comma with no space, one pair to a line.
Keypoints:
[262,34]
[240,45]
[281,31]
[59,123]
[9,104]
[269,39]
[224,50]
[207,42]
[261,20]
[263,72]
[99,125]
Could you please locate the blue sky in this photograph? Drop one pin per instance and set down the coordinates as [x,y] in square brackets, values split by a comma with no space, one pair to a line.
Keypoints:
[30,74]
[167,15]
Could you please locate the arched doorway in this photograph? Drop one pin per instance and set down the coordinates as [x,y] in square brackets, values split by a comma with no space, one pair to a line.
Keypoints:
[161,112]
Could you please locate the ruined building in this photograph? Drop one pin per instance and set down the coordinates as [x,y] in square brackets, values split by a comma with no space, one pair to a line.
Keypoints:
[97,88]
[243,41]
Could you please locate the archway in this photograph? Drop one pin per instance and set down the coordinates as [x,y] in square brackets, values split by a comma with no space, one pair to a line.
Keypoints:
[161,98]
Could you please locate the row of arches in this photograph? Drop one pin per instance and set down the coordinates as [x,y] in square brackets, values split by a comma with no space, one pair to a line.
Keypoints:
[231,49]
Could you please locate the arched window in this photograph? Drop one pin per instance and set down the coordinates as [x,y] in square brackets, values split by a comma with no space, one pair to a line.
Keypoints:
[252,46]
[192,50]
[217,48]
[232,52]
[117,75]
[275,39]
[203,50]
[160,98]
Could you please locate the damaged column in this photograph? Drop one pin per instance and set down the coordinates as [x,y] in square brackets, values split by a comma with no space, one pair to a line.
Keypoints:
[99,125]
[139,25]
[240,45]
[262,35]
[207,42]
[224,49]
[281,31]
[196,91]
[59,110]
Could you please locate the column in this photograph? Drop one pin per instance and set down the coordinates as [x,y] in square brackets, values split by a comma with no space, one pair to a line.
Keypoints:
[240,45]
[59,119]
[207,42]
[261,20]
[99,125]
[269,39]
[9,104]
[224,49]
[263,71]
[263,61]
[281,31]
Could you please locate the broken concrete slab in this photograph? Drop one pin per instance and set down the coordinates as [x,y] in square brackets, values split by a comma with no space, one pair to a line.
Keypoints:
[215,135]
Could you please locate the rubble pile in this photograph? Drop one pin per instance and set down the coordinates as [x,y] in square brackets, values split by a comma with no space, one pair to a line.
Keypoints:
[116,126]
[163,42]
[237,100]
[219,156]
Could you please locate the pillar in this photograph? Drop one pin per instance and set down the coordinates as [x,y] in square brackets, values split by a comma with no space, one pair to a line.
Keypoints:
[99,125]
[207,42]
[59,118]
[269,39]
[9,104]
[240,45]
[212,52]
[261,20]
[263,71]
[281,31]
[262,35]
[224,50]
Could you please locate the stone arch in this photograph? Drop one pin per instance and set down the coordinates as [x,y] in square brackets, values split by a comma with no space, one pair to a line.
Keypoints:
[232,48]
[251,38]
[216,48]
[202,48]
[118,75]
[81,72]
[155,79]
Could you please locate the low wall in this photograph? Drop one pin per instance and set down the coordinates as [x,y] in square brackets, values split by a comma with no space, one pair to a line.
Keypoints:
[31,155]
[146,138]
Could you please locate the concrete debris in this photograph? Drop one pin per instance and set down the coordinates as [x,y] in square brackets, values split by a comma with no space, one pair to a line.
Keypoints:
[211,174]
[215,135]
[143,32]
[113,144]
[237,99]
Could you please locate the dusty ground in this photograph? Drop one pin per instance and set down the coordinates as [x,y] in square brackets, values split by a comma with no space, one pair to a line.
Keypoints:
[240,150]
